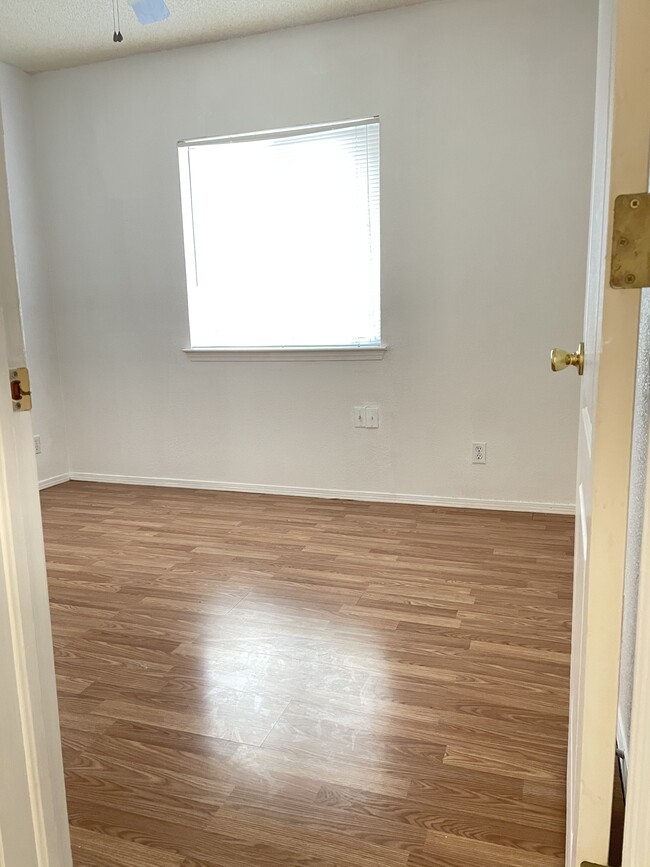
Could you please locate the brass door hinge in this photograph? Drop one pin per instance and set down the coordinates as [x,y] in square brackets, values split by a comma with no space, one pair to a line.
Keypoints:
[631,242]
[21,395]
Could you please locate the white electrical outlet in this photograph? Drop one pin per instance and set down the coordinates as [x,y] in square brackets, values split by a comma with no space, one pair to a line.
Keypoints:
[479,453]
[37,444]
[365,415]
[372,416]
[359,416]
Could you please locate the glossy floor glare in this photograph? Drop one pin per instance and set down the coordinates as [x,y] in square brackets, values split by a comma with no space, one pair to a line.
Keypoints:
[252,681]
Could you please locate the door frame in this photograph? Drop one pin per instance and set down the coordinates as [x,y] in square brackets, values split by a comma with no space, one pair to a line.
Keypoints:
[42,837]
[636,835]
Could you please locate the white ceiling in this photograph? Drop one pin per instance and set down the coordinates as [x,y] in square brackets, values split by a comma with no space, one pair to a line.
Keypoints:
[36,35]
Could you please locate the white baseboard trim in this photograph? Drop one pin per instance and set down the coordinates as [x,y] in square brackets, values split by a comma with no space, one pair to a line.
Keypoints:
[621,742]
[332,494]
[54,480]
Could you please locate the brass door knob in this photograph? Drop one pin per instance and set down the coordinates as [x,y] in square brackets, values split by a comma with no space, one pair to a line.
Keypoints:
[560,359]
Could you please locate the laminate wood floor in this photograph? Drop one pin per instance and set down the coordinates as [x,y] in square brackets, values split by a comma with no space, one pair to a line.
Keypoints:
[255,681]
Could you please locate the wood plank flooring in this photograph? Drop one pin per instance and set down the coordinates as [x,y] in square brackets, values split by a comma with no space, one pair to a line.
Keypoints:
[260,681]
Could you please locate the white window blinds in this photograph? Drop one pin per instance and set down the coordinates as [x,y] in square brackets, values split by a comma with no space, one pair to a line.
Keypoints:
[282,237]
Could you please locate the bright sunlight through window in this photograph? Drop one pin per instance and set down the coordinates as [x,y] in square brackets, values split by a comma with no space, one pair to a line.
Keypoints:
[282,237]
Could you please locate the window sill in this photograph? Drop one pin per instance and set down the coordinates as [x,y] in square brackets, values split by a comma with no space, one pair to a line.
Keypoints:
[291,353]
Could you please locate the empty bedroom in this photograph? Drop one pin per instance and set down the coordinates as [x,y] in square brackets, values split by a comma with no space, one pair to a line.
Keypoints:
[289,276]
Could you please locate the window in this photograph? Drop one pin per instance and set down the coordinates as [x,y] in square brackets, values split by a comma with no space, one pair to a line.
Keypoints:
[282,238]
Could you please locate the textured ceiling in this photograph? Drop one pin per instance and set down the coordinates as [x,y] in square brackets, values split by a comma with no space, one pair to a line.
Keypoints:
[36,35]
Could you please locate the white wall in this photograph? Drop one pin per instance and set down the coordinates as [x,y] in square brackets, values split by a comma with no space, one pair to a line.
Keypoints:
[486,112]
[35,291]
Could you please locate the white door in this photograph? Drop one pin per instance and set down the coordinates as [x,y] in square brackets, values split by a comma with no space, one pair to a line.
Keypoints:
[33,817]
[621,161]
